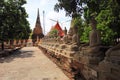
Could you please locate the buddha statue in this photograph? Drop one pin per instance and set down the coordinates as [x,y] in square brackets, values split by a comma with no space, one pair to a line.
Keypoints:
[65,38]
[75,37]
[94,35]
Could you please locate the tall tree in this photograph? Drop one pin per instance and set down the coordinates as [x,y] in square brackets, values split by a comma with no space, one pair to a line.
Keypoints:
[13,22]
[104,13]
[70,6]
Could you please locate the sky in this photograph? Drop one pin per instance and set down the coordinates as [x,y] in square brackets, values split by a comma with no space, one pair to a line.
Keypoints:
[48,7]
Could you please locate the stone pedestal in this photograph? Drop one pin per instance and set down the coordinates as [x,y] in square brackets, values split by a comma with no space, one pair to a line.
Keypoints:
[109,69]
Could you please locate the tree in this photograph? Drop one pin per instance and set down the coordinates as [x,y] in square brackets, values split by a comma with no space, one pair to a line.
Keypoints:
[104,19]
[107,17]
[13,22]
[85,35]
[70,6]
[104,13]
[54,33]
[74,10]
[108,21]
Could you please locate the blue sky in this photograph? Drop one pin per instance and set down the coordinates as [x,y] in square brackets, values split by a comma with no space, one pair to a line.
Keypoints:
[47,6]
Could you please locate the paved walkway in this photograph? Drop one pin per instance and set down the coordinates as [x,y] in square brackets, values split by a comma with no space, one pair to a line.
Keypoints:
[29,64]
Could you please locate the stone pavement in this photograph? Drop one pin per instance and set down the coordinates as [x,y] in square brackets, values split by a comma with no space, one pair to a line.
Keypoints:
[29,64]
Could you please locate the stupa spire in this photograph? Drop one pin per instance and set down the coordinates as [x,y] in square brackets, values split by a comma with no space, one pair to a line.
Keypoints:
[37,32]
[38,19]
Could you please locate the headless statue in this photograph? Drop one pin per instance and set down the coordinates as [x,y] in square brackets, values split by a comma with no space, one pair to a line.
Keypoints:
[75,37]
[94,35]
[70,33]
[65,38]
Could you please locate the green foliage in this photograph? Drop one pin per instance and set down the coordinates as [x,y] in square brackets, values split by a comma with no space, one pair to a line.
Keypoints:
[114,6]
[70,6]
[107,34]
[85,35]
[31,35]
[104,19]
[107,15]
[13,22]
[78,21]
[54,33]
[105,12]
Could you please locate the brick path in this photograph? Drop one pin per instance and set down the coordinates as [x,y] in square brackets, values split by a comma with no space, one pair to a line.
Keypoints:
[29,64]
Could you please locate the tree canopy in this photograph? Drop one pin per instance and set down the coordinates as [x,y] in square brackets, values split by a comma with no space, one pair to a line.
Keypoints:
[105,12]
[71,7]
[13,22]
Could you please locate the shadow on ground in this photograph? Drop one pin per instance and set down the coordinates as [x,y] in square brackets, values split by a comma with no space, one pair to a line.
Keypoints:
[16,54]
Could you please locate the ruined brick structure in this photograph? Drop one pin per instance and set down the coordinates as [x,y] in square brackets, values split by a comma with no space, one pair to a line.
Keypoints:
[37,32]
[87,61]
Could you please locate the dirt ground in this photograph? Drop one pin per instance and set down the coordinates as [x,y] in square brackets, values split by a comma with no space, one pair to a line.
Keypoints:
[29,64]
